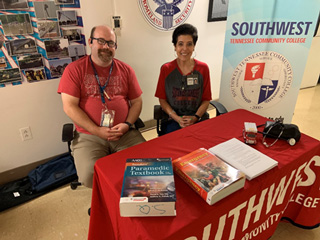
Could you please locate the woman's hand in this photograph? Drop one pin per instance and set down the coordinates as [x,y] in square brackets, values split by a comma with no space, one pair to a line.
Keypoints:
[187,121]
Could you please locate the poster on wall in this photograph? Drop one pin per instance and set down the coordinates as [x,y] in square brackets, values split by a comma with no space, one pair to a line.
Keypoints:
[25,28]
[13,4]
[59,2]
[76,51]
[10,75]
[165,15]
[16,24]
[46,10]
[218,10]
[30,61]
[21,46]
[72,34]
[57,48]
[265,55]
[67,18]
[35,74]
[3,62]
[48,29]
[57,66]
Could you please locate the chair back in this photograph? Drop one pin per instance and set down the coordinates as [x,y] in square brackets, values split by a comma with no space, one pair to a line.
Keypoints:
[162,117]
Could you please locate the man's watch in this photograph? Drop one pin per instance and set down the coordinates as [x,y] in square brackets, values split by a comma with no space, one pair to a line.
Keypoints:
[129,124]
[198,117]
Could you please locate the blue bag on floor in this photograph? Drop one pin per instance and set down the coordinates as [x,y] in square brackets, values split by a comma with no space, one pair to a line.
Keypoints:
[54,173]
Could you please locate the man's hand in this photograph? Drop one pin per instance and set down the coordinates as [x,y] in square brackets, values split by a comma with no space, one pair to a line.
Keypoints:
[117,131]
[121,127]
[110,134]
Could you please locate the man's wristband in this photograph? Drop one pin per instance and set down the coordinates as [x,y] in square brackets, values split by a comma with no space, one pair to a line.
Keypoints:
[170,113]
[198,117]
[129,124]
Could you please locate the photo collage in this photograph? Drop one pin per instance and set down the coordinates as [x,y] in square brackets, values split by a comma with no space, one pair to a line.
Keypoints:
[40,49]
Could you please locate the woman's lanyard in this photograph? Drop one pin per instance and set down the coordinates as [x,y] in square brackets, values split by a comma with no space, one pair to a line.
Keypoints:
[190,79]
[102,88]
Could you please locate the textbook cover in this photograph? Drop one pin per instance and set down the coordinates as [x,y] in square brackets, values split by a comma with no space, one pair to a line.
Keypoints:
[208,175]
[148,188]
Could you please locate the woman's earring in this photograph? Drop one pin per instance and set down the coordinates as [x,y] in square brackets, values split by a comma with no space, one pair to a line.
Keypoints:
[194,54]
[175,54]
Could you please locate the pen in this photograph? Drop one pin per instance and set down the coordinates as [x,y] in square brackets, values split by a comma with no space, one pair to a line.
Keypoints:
[105,93]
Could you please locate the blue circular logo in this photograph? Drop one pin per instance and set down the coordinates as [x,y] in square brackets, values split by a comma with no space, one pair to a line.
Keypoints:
[165,15]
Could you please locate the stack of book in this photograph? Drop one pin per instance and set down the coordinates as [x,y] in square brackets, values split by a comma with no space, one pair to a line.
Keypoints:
[148,188]
[208,175]
[222,170]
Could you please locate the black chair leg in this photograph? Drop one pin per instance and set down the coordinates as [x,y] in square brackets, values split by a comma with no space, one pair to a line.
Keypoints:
[74,185]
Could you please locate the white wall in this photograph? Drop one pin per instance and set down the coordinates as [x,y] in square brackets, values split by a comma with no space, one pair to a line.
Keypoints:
[312,70]
[146,48]
[39,106]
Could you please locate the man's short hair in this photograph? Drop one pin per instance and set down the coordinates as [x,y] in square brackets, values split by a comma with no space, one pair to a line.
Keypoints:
[92,32]
[94,29]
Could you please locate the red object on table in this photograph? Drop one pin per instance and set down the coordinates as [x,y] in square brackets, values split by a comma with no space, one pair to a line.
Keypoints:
[289,191]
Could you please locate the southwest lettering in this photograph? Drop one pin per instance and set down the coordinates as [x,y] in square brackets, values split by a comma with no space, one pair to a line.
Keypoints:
[280,192]
[270,28]
[298,176]
[236,213]
[222,223]
[311,176]
[257,209]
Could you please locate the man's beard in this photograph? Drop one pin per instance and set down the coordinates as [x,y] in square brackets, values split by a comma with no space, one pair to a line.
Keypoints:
[105,55]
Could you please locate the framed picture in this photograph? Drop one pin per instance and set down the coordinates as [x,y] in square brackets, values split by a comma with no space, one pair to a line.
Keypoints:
[35,74]
[57,48]
[16,24]
[67,18]
[2,40]
[72,34]
[76,51]
[57,66]
[218,10]
[45,10]
[3,62]
[30,61]
[48,29]
[59,2]
[21,46]
[13,4]
[10,75]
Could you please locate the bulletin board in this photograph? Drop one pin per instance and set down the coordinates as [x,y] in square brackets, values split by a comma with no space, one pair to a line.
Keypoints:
[38,39]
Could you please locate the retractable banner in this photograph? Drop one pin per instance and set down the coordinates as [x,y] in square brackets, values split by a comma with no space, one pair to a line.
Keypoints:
[265,53]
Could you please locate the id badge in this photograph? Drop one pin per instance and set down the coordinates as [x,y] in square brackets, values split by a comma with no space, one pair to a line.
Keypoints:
[107,118]
[192,79]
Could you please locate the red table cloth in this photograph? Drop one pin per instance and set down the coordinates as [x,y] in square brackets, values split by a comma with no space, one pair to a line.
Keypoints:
[289,191]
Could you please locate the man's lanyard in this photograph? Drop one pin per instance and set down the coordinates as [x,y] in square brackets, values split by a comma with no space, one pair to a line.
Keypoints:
[102,88]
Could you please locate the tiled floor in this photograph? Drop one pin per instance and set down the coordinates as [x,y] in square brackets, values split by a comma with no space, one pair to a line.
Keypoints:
[62,214]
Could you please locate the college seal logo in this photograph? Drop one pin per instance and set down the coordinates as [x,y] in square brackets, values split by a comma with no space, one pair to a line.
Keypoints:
[165,15]
[261,80]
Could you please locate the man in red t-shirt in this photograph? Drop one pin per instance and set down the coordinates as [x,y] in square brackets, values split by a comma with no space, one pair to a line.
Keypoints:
[102,97]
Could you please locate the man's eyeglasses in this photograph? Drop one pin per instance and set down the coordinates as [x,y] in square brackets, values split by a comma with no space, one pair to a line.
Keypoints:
[101,41]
